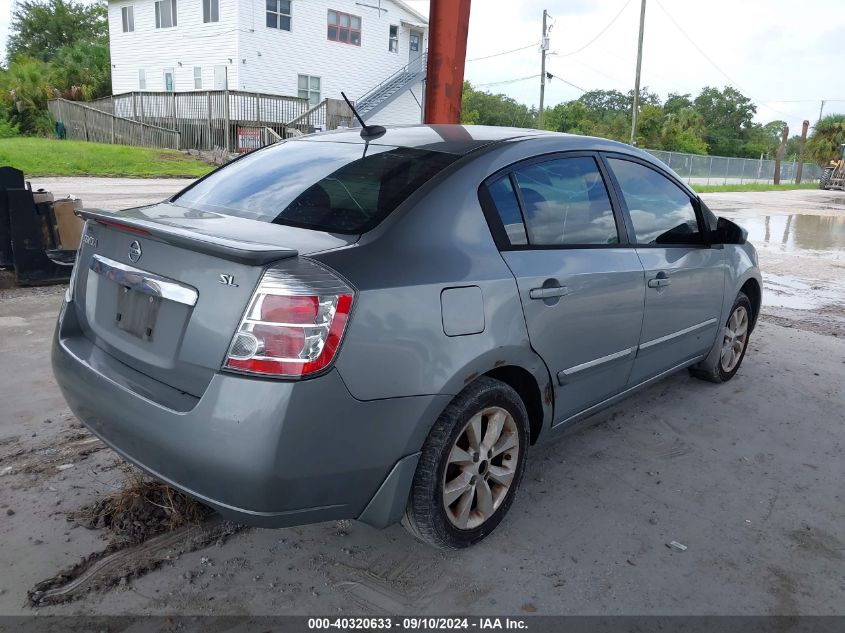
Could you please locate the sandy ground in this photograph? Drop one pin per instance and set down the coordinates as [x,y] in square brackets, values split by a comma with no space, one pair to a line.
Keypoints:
[747,475]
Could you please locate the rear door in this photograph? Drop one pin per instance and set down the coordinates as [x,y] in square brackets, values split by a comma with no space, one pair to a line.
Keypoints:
[580,284]
[684,275]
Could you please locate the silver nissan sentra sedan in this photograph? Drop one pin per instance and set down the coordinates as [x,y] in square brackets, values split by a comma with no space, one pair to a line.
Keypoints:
[338,327]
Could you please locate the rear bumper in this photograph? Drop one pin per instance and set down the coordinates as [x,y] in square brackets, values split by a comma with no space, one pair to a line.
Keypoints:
[264,452]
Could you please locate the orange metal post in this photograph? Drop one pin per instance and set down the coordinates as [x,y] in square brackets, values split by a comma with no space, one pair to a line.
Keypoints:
[447,49]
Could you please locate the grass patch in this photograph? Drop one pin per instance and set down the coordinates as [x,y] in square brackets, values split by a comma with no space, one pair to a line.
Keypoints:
[752,187]
[52,157]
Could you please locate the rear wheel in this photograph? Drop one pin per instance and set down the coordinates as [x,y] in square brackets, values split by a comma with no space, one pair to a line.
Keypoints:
[470,468]
[824,179]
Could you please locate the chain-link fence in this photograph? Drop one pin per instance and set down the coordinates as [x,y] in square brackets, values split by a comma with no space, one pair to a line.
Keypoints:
[722,170]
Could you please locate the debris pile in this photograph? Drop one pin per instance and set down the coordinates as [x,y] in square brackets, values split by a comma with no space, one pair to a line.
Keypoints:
[142,509]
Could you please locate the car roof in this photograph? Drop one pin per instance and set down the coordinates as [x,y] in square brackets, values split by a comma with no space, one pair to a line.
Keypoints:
[463,139]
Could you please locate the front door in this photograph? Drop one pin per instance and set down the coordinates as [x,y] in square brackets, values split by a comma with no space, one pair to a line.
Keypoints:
[168,79]
[415,51]
[684,276]
[580,286]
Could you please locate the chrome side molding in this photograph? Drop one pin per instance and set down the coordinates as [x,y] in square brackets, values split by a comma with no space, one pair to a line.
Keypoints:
[669,337]
[566,374]
[143,281]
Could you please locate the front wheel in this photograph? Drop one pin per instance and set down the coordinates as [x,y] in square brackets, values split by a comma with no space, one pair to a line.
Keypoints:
[470,468]
[734,342]
[735,339]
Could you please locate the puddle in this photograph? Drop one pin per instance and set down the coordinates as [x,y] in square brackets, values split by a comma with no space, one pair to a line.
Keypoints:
[782,291]
[793,233]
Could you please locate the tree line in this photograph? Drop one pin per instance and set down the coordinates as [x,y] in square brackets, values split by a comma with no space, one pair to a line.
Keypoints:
[60,48]
[719,122]
[55,48]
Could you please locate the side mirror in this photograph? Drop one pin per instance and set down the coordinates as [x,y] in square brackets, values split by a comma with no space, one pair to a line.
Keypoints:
[728,232]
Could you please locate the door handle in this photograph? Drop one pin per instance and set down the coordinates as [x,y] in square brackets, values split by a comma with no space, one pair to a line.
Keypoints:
[548,293]
[660,281]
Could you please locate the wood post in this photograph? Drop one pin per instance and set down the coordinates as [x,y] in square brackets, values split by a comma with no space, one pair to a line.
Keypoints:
[209,144]
[779,154]
[226,118]
[175,125]
[801,145]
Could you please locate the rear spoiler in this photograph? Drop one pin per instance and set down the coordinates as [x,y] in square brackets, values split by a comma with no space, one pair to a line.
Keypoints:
[241,251]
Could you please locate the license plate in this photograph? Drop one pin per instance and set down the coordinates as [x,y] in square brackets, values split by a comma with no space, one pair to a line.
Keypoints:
[137,312]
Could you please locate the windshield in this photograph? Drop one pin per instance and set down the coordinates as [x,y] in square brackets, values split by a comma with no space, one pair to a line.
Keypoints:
[334,187]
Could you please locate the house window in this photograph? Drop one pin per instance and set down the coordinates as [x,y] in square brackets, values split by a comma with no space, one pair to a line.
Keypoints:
[142,79]
[168,79]
[278,14]
[165,14]
[345,28]
[393,45]
[128,15]
[309,88]
[210,11]
[198,77]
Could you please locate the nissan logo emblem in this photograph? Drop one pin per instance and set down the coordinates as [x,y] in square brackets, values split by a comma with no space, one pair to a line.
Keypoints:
[134,251]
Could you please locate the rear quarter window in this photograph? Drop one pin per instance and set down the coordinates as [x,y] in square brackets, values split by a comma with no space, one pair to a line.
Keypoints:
[333,187]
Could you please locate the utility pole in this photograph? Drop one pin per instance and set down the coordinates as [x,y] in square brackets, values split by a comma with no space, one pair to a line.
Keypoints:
[544,45]
[447,50]
[635,113]
[821,110]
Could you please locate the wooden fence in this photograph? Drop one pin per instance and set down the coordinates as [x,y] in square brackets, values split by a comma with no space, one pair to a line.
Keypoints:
[85,123]
[233,120]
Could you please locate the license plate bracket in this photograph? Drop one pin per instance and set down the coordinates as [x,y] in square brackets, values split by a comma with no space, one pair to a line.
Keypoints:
[137,312]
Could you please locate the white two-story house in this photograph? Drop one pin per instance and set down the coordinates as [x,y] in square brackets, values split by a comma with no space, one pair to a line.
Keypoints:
[308,48]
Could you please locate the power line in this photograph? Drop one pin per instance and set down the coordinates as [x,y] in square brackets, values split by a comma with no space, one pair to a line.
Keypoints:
[602,32]
[567,82]
[507,81]
[802,100]
[712,63]
[515,50]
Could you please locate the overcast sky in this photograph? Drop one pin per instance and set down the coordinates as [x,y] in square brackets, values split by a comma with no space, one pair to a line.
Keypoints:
[775,51]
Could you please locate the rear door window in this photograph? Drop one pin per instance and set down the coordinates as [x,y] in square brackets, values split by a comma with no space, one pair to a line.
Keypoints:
[334,187]
[558,202]
[504,199]
[661,212]
[565,202]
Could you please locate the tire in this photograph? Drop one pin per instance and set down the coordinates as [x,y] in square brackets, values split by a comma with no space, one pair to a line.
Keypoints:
[824,179]
[448,456]
[728,363]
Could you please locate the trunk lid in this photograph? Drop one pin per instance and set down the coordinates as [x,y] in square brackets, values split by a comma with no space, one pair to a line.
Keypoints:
[163,288]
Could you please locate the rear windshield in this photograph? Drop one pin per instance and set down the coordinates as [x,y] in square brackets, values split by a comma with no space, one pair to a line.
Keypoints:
[334,187]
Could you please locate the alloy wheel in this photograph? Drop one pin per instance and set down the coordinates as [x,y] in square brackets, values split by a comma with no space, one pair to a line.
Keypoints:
[736,336]
[480,468]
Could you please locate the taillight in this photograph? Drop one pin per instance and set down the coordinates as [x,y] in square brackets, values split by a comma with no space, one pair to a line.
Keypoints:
[294,323]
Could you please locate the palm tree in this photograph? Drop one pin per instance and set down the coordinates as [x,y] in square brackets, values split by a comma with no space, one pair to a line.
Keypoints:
[828,136]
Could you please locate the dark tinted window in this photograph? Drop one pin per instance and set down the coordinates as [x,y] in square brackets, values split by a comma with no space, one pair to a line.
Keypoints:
[504,199]
[661,212]
[323,186]
[565,202]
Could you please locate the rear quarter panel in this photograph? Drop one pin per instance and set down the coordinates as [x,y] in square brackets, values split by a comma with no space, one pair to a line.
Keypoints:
[396,345]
